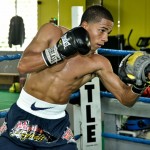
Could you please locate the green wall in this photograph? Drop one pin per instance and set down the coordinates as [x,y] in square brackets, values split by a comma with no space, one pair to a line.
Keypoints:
[49,8]
[133,14]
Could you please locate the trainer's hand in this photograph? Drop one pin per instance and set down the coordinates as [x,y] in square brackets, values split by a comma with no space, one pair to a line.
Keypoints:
[73,41]
[134,69]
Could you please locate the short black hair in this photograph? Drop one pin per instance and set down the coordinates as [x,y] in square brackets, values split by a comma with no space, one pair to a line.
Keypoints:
[95,13]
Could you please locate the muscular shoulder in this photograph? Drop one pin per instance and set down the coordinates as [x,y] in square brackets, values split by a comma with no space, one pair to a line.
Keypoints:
[91,63]
[103,65]
[50,32]
[63,29]
[100,61]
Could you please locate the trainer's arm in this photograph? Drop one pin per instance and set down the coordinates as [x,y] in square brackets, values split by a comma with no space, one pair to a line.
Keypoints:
[31,60]
[112,82]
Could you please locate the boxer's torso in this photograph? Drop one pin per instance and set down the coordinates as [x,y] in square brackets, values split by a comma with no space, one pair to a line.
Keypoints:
[55,84]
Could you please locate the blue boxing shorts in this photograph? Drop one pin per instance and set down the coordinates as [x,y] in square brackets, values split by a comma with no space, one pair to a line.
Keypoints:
[32,124]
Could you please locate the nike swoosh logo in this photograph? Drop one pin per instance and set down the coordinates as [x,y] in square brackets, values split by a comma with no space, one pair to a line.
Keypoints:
[33,107]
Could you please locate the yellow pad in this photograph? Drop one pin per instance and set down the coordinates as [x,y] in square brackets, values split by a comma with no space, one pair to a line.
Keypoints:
[130,76]
[132,58]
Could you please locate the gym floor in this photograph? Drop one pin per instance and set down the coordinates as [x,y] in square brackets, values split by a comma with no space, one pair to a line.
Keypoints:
[7,99]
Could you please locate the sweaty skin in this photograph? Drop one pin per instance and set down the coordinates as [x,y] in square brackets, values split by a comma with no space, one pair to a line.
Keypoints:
[55,84]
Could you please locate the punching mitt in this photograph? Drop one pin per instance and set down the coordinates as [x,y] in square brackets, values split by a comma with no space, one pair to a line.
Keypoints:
[122,71]
[134,69]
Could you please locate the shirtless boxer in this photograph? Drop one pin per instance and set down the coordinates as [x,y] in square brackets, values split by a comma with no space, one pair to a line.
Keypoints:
[38,119]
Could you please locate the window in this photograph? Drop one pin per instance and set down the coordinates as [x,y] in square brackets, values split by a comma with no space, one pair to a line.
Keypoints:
[27,9]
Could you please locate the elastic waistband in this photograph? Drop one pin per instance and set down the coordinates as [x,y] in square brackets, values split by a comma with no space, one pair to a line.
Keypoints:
[40,108]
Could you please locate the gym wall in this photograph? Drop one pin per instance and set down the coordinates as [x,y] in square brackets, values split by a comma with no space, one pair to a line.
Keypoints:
[49,8]
[133,14]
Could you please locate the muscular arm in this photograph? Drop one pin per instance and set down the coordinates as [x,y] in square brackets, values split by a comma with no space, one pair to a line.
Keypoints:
[47,36]
[113,84]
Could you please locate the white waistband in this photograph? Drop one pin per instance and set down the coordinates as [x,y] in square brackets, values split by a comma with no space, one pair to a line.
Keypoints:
[40,108]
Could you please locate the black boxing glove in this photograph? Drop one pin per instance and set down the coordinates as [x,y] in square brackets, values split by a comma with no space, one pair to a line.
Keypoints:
[73,41]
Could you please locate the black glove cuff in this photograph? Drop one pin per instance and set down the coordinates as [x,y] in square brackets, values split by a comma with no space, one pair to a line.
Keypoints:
[137,89]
